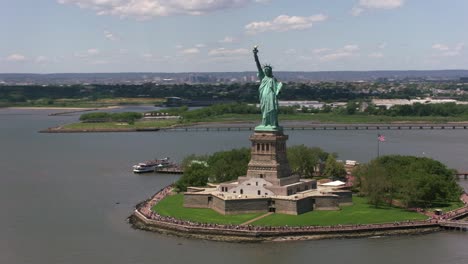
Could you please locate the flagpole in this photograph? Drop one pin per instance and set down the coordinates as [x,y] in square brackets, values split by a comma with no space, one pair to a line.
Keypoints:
[378,146]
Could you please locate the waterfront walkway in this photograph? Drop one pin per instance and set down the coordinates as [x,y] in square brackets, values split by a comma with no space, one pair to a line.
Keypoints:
[145,213]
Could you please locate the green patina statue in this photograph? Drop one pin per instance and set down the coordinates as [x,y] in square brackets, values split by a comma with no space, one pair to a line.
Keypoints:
[268,92]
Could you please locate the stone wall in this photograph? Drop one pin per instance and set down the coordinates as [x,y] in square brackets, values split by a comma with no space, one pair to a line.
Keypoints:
[243,206]
[344,197]
[326,203]
[218,205]
[305,205]
[285,206]
[196,200]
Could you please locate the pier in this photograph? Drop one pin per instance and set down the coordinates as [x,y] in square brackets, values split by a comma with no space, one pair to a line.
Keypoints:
[170,170]
[455,225]
[462,174]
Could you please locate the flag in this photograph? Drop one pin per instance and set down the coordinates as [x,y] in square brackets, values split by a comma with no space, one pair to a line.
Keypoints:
[380,138]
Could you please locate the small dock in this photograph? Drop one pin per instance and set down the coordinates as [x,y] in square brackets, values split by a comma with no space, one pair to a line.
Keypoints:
[170,170]
[455,225]
[462,174]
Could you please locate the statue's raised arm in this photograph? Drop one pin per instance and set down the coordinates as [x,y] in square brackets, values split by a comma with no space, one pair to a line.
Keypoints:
[257,62]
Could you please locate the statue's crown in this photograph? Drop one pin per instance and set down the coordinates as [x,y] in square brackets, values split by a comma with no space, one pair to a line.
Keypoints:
[267,66]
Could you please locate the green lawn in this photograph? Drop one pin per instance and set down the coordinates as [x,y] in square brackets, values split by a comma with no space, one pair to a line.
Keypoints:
[358,213]
[173,206]
[84,102]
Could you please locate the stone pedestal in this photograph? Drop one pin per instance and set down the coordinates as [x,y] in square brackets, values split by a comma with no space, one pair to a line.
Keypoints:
[268,157]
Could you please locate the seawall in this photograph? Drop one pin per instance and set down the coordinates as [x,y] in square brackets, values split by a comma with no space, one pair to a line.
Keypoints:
[144,218]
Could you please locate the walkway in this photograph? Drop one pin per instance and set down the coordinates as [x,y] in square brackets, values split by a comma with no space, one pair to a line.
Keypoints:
[255,219]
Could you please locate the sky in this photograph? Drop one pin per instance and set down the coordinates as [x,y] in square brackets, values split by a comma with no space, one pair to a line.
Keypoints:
[55,36]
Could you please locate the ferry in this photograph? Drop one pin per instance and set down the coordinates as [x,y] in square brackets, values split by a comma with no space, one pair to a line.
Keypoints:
[151,166]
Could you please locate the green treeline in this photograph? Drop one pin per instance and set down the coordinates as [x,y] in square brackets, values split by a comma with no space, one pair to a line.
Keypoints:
[405,180]
[417,109]
[218,167]
[242,92]
[228,165]
[413,181]
[128,117]
[217,110]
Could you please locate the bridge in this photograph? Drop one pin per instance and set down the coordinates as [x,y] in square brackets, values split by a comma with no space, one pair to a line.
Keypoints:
[321,126]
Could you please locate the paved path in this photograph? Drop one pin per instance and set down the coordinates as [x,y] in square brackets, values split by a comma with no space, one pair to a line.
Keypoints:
[255,219]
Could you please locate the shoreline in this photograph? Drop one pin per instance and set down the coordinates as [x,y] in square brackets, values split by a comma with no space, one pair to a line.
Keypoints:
[145,219]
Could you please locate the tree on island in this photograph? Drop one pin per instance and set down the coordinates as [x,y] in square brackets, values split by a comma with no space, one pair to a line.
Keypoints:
[334,169]
[304,160]
[413,181]
[225,166]
[219,167]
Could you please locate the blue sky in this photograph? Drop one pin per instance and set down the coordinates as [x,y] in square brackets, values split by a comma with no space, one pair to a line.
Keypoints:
[49,36]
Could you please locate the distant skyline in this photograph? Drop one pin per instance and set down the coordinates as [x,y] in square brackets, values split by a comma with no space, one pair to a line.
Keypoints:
[55,36]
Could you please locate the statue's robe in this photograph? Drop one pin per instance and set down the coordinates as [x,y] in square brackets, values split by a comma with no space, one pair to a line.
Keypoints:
[268,91]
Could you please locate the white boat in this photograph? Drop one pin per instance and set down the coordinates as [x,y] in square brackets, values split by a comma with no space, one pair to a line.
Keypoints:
[150,166]
[143,167]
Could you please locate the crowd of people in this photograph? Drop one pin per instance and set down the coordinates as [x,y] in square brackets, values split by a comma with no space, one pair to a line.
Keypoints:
[145,208]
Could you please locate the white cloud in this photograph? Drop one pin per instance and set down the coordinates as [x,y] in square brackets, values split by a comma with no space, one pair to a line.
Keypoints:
[447,51]
[16,57]
[381,4]
[227,39]
[284,23]
[382,45]
[227,52]
[440,47]
[147,55]
[41,59]
[145,9]
[99,62]
[290,51]
[93,51]
[363,5]
[190,51]
[356,11]
[336,56]
[179,46]
[341,53]
[201,45]
[350,48]
[321,50]
[376,55]
[88,53]
[110,36]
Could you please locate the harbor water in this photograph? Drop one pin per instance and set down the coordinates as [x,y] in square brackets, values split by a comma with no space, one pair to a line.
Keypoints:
[64,198]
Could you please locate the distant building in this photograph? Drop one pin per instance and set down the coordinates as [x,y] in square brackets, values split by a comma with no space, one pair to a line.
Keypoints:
[387,103]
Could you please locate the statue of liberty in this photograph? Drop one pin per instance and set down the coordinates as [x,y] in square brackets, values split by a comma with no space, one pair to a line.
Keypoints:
[268,92]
